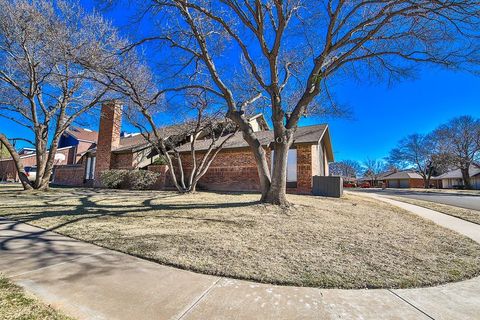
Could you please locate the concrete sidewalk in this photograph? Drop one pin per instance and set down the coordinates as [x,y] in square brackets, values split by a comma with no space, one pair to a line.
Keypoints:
[89,282]
[469,229]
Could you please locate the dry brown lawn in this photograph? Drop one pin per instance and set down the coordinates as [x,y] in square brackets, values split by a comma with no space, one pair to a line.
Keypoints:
[462,213]
[353,242]
[15,304]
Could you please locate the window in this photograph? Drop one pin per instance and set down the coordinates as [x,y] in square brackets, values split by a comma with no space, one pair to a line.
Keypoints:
[291,168]
[292,165]
[90,169]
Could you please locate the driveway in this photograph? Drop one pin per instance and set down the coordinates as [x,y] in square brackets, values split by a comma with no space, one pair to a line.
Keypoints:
[454,199]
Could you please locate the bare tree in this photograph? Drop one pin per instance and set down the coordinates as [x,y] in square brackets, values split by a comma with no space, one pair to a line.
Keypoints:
[346,168]
[373,169]
[212,127]
[285,51]
[47,50]
[459,141]
[418,151]
[196,116]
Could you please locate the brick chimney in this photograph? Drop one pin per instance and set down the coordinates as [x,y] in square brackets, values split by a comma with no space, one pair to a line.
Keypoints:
[108,135]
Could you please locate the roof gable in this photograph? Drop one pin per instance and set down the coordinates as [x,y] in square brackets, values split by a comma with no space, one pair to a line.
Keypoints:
[403,175]
[82,134]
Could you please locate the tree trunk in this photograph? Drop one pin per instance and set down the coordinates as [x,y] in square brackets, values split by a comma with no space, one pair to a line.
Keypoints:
[42,163]
[50,162]
[263,170]
[426,183]
[426,180]
[193,187]
[466,177]
[263,167]
[276,193]
[18,163]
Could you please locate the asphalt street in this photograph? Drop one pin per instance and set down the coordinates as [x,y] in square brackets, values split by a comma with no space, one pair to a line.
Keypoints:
[457,200]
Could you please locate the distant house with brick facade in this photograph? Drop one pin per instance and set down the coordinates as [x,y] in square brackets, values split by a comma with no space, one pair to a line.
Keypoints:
[234,168]
[403,179]
[72,145]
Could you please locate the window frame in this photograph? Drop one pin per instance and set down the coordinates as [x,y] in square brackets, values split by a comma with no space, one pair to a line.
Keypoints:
[90,167]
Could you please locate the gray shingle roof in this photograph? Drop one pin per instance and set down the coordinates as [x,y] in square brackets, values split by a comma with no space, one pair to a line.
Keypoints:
[138,141]
[83,134]
[403,175]
[457,174]
[303,135]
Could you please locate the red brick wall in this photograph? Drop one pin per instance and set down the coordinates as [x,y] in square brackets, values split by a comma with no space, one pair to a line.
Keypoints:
[236,170]
[82,147]
[232,170]
[304,170]
[7,170]
[121,161]
[69,156]
[417,183]
[70,175]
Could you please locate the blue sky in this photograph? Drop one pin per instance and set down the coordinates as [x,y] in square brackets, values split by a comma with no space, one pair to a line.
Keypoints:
[381,115]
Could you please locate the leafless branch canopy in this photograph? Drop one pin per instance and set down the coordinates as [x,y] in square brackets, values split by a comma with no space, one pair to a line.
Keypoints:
[49,51]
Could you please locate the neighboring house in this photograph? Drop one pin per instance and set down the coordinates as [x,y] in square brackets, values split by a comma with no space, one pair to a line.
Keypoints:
[234,168]
[73,144]
[453,179]
[378,181]
[404,179]
[81,138]
[8,171]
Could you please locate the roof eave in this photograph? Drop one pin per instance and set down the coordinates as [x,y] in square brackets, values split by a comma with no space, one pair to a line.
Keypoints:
[328,143]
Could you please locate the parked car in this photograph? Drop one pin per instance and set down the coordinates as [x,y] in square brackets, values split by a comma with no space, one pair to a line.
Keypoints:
[31,173]
[348,184]
[365,185]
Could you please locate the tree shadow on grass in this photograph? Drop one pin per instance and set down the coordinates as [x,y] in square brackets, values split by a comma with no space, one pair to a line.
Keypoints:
[89,207]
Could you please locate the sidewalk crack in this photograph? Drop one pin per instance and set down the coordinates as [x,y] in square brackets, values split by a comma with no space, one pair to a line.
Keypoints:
[411,304]
[198,300]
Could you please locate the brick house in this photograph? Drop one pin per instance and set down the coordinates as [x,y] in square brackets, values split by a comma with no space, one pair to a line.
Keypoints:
[73,144]
[8,171]
[234,168]
[403,179]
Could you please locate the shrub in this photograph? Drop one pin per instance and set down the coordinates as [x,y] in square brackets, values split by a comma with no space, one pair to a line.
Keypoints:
[113,179]
[128,179]
[140,179]
[160,160]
